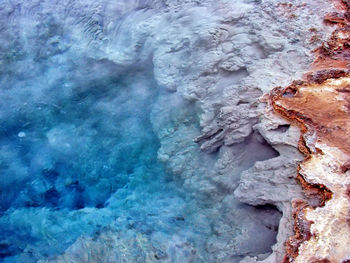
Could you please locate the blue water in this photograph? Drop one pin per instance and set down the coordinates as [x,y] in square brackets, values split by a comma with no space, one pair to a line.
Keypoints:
[78,154]
[85,153]
[79,171]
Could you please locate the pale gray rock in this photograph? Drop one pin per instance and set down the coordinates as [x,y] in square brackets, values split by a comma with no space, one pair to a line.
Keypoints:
[211,60]
[274,181]
[257,46]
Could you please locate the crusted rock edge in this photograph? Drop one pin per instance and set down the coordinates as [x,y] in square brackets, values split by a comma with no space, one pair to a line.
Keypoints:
[320,106]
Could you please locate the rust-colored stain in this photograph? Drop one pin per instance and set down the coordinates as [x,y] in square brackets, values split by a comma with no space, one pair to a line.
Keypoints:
[301,229]
[320,105]
[324,107]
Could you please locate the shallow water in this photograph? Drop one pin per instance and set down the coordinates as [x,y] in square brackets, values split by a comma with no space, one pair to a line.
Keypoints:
[91,152]
[82,169]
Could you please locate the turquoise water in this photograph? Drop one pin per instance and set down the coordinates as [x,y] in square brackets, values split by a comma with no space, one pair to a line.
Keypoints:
[85,154]
[79,170]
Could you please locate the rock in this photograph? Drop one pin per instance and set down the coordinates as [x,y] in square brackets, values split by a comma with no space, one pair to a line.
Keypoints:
[107,90]
[319,106]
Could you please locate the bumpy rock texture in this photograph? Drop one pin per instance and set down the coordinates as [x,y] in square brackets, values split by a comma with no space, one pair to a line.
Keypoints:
[131,130]
[319,105]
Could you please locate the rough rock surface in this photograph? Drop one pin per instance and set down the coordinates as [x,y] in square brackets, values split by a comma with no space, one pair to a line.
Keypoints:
[319,105]
[206,63]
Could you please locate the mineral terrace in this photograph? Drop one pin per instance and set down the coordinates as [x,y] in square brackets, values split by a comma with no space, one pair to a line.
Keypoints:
[320,105]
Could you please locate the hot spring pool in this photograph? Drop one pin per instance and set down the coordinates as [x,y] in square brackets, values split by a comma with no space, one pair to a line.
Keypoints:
[97,155]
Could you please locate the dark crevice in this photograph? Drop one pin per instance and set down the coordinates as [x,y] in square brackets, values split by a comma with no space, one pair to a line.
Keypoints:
[289,92]
[242,102]
[282,128]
